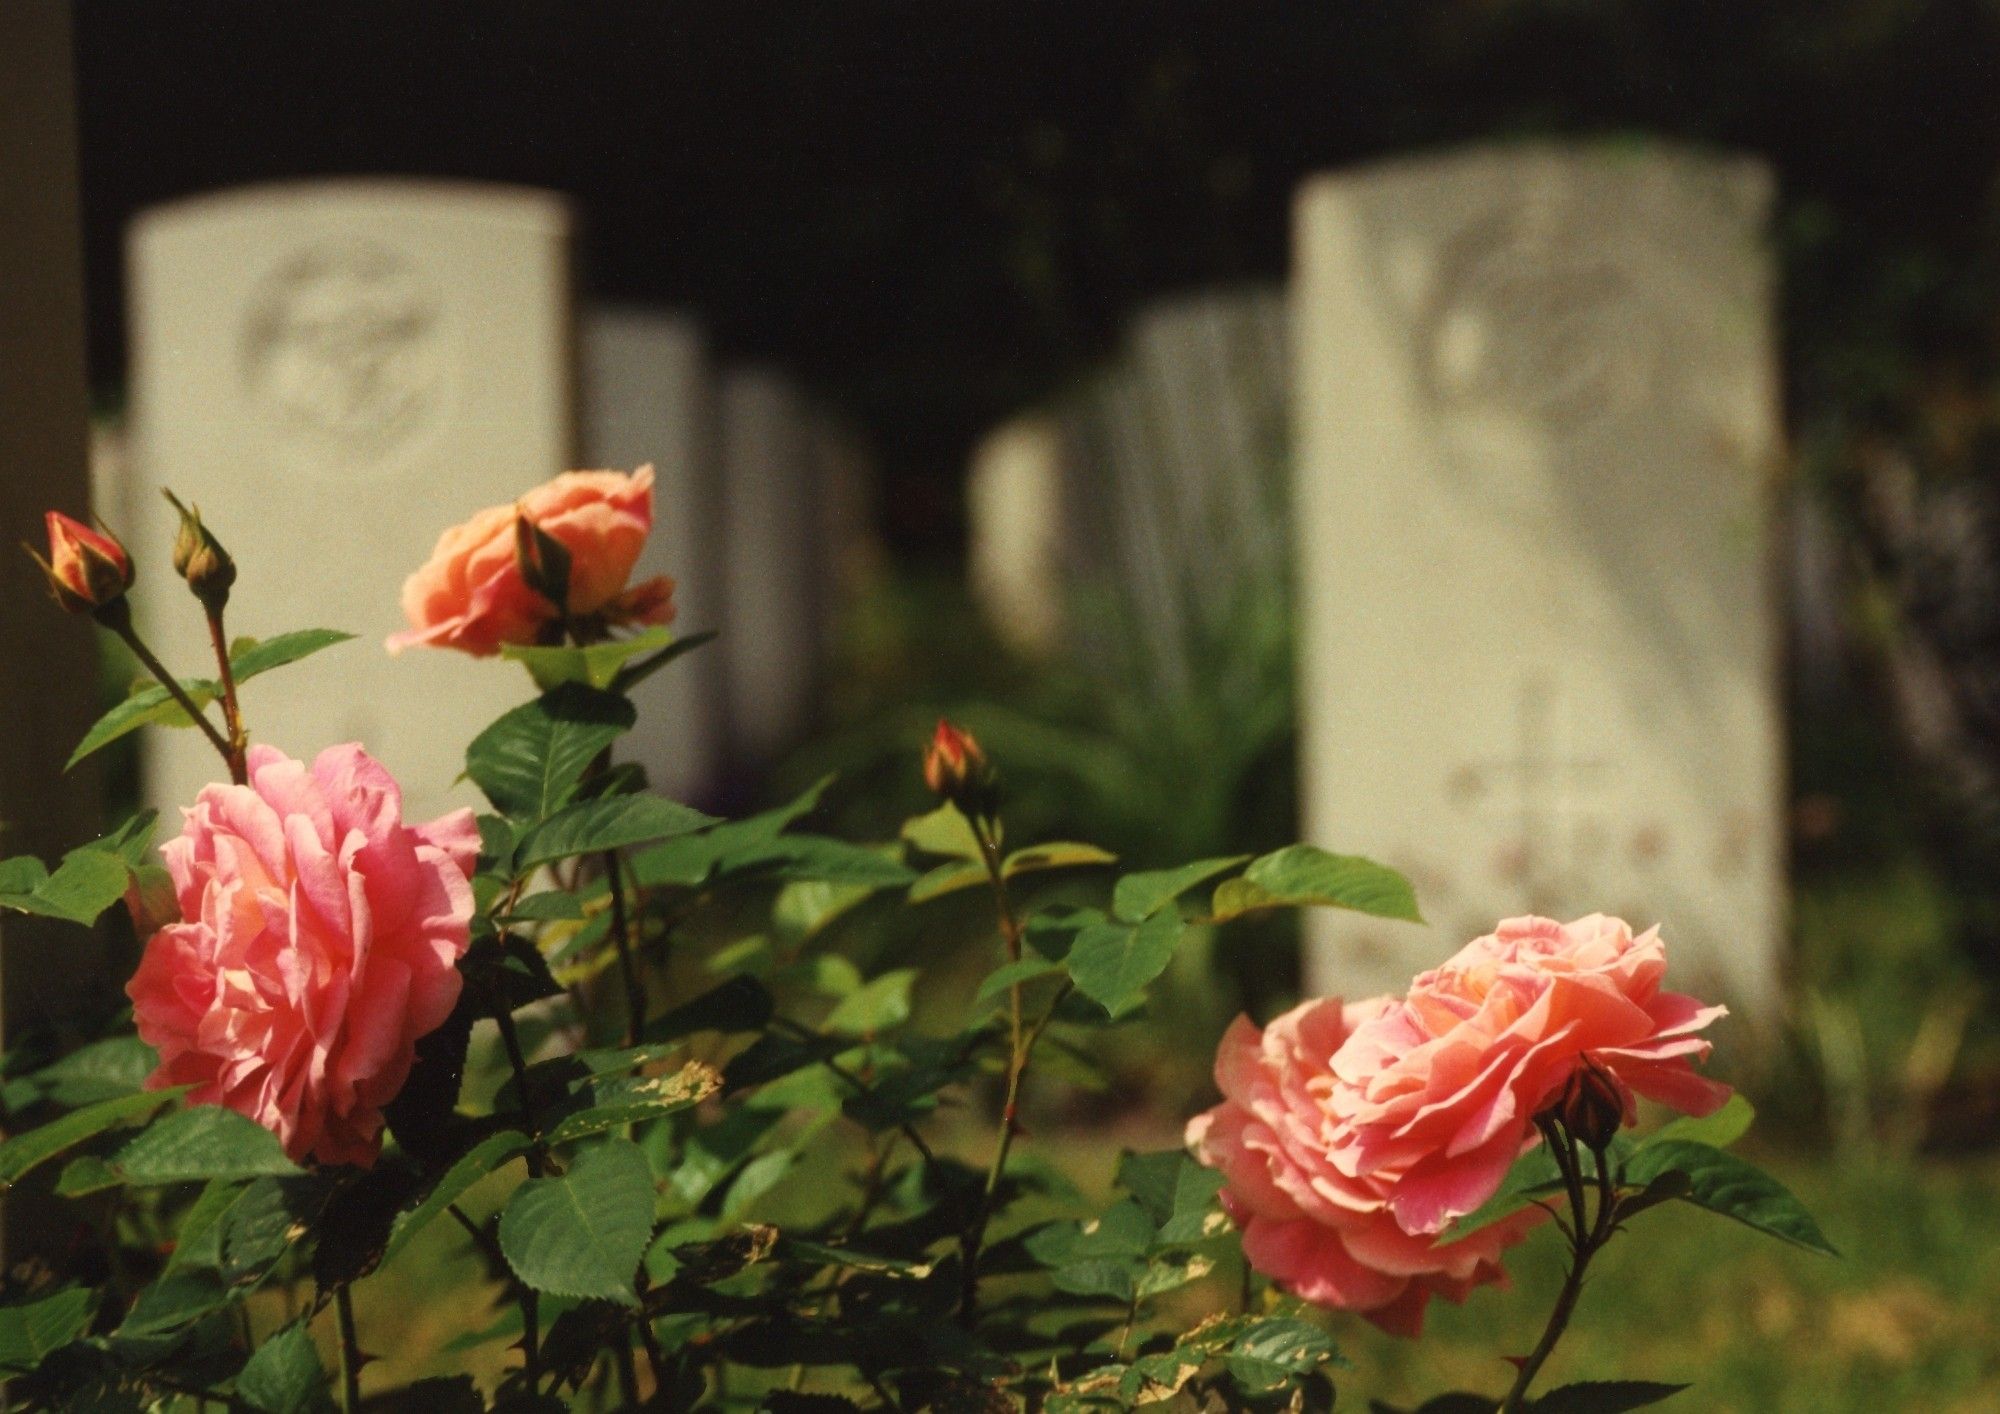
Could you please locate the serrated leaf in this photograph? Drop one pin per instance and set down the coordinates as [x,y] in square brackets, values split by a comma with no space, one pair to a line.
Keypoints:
[1137,897]
[618,1102]
[1113,963]
[550,906]
[86,1174]
[530,760]
[88,881]
[1273,1351]
[1056,854]
[1736,1188]
[1008,975]
[486,1157]
[1718,1130]
[582,1234]
[31,1330]
[1303,875]
[594,666]
[203,1142]
[634,673]
[1604,1397]
[102,1070]
[150,704]
[943,831]
[26,1151]
[594,826]
[283,1375]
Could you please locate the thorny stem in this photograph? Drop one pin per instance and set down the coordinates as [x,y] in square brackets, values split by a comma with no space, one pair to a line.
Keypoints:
[232,715]
[350,1350]
[120,623]
[1021,1045]
[1589,1234]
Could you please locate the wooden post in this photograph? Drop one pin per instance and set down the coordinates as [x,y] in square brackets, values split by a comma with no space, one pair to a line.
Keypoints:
[48,686]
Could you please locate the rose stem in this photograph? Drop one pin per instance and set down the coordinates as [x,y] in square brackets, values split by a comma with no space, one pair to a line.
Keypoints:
[1021,1046]
[350,1351]
[232,715]
[120,623]
[1586,1241]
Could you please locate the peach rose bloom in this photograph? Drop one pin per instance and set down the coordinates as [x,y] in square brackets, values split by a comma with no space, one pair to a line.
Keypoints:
[470,594]
[1326,1236]
[320,940]
[1442,1089]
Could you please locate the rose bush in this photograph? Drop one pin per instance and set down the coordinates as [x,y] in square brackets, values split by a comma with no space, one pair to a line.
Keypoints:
[664,1076]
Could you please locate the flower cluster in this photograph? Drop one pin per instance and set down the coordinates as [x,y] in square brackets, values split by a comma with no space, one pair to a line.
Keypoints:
[1352,1137]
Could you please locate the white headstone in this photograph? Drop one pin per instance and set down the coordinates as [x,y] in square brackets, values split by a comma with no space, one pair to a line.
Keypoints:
[775,583]
[336,372]
[1014,522]
[1537,422]
[647,397]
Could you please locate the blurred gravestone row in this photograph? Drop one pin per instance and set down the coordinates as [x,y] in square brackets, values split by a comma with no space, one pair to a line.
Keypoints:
[1534,439]
[337,371]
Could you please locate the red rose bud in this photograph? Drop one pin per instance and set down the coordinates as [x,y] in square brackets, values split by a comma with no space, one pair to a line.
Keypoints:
[88,570]
[1591,1106]
[200,559]
[957,769]
[543,561]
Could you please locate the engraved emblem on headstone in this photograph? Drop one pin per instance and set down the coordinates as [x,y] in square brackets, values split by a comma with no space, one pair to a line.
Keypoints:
[341,349]
[1537,313]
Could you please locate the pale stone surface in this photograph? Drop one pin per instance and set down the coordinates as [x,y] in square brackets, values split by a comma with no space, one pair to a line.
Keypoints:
[1537,423]
[648,397]
[336,372]
[775,592]
[1014,522]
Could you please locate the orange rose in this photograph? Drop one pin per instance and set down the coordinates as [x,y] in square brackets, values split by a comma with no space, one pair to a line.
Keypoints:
[471,594]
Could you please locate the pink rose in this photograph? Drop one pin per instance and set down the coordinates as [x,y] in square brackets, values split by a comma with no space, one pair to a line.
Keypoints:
[1328,1237]
[470,595]
[1442,1089]
[320,941]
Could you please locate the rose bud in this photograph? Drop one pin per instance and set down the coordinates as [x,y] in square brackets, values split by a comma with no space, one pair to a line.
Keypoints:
[88,570]
[543,560]
[200,559]
[956,768]
[1591,1106]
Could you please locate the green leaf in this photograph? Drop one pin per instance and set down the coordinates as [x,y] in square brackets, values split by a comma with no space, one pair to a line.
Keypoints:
[86,1174]
[284,1375]
[947,879]
[552,906]
[1718,1130]
[1723,1183]
[582,1234]
[596,666]
[30,1330]
[88,881]
[1008,975]
[529,761]
[1604,1397]
[1534,1173]
[150,704]
[1304,875]
[944,831]
[593,826]
[102,1070]
[1057,854]
[876,1007]
[484,1158]
[203,1142]
[1275,1350]
[22,874]
[1138,896]
[1112,963]
[619,1101]
[25,1151]
[631,675]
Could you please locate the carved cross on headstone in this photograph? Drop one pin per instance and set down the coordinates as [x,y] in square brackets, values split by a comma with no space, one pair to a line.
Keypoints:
[1549,796]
